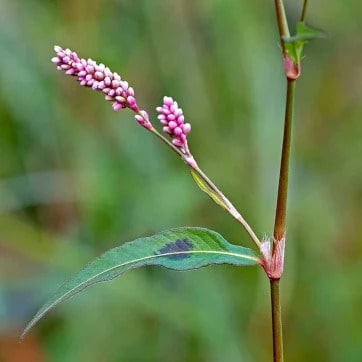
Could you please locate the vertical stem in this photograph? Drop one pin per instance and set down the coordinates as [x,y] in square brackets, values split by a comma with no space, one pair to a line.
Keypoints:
[276,322]
[280,219]
[281,208]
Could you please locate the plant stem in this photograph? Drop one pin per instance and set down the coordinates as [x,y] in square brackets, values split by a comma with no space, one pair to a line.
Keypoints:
[282,20]
[168,143]
[304,11]
[276,322]
[280,219]
[281,208]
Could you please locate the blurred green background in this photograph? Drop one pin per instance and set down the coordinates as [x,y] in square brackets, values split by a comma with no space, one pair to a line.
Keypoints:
[78,178]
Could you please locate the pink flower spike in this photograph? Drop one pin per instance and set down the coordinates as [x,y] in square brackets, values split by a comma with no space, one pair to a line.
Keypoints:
[96,76]
[172,118]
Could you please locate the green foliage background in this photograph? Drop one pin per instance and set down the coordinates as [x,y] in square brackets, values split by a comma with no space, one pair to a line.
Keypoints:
[78,178]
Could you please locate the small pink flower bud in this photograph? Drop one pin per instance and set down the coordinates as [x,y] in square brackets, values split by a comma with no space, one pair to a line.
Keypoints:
[186,128]
[172,124]
[177,142]
[117,106]
[177,131]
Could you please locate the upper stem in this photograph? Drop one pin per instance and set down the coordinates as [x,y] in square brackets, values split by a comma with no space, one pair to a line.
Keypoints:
[280,221]
[304,11]
[282,20]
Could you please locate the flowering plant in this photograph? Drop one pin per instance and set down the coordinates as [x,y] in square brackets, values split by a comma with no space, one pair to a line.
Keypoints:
[188,248]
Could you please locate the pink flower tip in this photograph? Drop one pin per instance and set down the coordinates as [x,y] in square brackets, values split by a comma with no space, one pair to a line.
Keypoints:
[96,76]
[172,118]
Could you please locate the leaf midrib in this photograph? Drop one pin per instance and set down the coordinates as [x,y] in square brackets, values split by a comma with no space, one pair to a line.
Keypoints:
[64,296]
[241,256]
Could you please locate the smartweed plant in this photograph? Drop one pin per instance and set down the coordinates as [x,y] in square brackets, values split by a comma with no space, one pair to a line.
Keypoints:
[188,248]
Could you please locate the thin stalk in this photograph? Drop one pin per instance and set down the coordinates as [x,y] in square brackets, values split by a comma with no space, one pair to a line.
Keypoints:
[281,208]
[304,11]
[276,322]
[282,19]
[230,208]
[168,143]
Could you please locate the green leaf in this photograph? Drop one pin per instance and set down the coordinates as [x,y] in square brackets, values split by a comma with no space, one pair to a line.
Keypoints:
[305,33]
[294,44]
[183,248]
[204,186]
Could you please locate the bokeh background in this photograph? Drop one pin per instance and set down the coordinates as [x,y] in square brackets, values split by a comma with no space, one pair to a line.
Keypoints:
[78,179]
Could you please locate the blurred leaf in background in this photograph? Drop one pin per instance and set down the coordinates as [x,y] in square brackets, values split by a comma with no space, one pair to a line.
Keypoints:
[78,178]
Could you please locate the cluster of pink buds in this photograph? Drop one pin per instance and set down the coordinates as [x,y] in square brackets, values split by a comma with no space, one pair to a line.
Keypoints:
[172,118]
[99,77]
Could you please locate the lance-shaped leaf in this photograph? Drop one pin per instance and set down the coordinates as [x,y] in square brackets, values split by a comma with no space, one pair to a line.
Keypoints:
[178,249]
[204,186]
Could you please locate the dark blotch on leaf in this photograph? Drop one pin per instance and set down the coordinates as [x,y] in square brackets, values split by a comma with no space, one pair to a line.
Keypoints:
[180,245]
